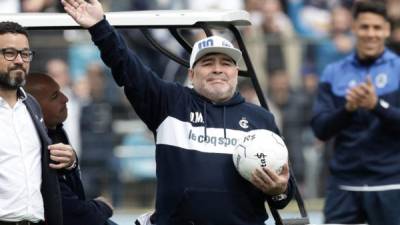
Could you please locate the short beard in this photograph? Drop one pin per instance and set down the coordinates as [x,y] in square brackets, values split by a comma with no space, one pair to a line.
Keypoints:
[6,82]
[216,96]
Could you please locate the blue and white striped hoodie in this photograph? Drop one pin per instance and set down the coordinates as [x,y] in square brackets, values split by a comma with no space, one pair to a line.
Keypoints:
[197,182]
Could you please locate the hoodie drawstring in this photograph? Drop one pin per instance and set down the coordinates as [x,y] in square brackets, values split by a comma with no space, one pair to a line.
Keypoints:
[205,118]
[224,118]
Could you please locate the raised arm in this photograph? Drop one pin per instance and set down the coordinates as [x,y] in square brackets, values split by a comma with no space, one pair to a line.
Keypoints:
[86,14]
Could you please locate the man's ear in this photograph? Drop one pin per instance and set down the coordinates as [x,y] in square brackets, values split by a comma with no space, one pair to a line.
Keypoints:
[191,74]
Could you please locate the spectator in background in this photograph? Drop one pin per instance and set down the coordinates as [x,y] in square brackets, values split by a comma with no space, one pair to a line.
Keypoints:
[393,9]
[82,92]
[341,40]
[283,50]
[290,104]
[98,139]
[271,42]
[35,5]
[254,7]
[338,44]
[312,147]
[357,107]
[310,17]
[246,89]
[277,29]
[394,39]
[59,71]
[76,209]
[254,39]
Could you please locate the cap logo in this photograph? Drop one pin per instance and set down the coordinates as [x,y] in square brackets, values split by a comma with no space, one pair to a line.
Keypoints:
[206,44]
[226,44]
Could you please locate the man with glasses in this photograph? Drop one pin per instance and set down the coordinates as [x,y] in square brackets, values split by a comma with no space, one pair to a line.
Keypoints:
[29,189]
[11,53]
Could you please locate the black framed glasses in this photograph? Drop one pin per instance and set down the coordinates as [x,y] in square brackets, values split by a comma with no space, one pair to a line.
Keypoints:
[11,53]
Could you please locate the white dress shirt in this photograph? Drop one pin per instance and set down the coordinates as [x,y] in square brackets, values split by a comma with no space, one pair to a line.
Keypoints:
[20,165]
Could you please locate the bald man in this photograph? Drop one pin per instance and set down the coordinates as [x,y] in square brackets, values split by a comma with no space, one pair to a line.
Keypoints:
[76,209]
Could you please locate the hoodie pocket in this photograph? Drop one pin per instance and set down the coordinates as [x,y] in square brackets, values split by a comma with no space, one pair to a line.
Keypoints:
[217,207]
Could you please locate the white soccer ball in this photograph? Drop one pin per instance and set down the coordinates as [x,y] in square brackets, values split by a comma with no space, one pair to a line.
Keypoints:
[258,149]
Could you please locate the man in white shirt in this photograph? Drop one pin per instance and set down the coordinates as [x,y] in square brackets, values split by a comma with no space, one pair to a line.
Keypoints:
[29,190]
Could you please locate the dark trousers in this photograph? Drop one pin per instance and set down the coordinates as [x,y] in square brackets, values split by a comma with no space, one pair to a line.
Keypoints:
[355,207]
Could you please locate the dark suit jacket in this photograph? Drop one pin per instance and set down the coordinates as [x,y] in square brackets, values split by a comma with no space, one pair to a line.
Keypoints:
[76,209]
[50,187]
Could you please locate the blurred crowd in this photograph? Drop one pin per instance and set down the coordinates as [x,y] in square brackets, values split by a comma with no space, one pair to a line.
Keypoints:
[289,42]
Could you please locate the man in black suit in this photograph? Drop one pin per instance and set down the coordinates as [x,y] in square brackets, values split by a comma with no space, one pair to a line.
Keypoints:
[76,209]
[29,188]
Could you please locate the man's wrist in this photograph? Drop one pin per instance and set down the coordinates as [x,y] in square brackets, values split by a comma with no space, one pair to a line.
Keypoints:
[382,103]
[279,197]
[73,166]
[374,103]
[350,107]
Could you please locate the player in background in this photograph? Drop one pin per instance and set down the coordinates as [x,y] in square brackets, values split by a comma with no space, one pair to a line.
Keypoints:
[358,106]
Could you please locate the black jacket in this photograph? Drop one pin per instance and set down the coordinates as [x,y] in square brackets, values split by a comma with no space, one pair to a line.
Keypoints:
[76,209]
[50,188]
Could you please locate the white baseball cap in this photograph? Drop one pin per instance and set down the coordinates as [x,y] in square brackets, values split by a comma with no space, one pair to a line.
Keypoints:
[214,44]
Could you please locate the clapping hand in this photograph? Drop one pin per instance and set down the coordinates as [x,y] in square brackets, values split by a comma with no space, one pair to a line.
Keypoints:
[362,96]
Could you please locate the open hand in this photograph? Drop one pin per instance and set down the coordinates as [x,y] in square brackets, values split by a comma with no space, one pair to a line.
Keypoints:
[84,13]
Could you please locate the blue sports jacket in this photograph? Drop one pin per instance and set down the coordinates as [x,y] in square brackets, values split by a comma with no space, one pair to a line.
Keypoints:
[366,143]
[197,182]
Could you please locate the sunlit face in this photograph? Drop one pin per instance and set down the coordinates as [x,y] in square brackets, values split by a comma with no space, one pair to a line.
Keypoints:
[371,31]
[12,73]
[214,76]
[53,103]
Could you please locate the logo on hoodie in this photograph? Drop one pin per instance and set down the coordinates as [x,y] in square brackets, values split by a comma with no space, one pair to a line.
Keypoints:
[381,80]
[196,117]
[244,123]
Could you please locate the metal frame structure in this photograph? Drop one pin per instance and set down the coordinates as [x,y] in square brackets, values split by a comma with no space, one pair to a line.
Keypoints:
[173,20]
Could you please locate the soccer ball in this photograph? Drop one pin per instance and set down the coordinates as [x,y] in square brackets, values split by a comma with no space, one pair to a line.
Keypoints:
[258,149]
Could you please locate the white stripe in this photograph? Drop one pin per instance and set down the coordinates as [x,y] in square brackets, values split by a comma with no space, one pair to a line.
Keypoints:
[370,188]
[182,134]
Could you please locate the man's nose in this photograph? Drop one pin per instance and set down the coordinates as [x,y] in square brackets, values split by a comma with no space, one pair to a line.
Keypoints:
[217,67]
[65,98]
[371,32]
[18,59]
